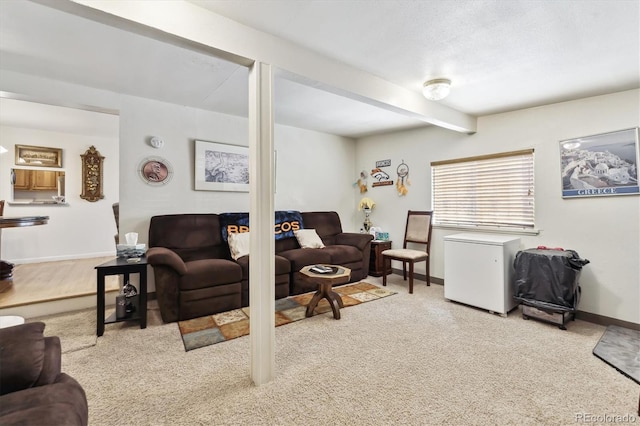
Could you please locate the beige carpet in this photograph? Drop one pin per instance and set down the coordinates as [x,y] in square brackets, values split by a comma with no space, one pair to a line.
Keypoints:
[407,359]
[76,330]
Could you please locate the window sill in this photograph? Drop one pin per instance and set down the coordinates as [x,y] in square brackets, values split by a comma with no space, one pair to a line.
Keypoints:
[495,230]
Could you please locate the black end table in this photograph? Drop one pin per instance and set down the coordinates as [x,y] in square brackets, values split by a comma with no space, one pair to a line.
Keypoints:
[122,267]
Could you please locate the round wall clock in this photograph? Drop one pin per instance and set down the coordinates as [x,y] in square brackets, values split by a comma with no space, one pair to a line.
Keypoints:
[155,171]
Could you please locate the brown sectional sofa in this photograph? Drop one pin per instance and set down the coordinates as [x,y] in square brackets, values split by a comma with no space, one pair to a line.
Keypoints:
[342,248]
[33,390]
[196,276]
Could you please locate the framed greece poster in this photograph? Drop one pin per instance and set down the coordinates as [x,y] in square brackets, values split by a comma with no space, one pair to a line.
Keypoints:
[221,167]
[600,165]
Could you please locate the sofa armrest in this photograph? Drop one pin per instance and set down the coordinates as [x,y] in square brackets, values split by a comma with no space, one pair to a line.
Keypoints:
[354,239]
[165,256]
[52,364]
[22,349]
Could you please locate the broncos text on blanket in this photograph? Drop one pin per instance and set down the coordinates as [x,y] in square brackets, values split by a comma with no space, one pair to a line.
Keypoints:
[286,222]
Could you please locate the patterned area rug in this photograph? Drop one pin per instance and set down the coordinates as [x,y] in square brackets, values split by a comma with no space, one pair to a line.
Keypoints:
[212,329]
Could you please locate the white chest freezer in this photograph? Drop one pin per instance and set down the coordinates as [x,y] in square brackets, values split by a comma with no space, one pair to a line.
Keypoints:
[478,270]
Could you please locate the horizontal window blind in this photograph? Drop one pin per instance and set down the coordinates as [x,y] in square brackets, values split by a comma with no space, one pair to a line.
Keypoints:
[491,190]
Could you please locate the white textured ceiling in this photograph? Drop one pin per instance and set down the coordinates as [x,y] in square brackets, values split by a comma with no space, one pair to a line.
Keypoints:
[501,54]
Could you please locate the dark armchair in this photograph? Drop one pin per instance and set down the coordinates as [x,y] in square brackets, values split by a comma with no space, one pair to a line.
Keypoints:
[33,390]
[194,275]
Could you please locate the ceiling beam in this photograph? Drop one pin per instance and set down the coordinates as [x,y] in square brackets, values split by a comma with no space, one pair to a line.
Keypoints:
[186,24]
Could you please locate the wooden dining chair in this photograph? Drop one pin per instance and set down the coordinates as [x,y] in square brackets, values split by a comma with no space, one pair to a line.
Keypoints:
[116,216]
[1,207]
[417,231]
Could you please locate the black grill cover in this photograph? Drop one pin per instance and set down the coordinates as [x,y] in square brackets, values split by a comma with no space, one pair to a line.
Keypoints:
[548,279]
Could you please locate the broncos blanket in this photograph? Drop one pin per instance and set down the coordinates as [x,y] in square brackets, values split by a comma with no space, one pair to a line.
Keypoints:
[285,223]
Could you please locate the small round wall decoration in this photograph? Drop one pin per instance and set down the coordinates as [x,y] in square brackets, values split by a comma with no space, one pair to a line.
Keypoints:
[155,171]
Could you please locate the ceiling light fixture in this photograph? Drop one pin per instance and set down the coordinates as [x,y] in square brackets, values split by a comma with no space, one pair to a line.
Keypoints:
[437,89]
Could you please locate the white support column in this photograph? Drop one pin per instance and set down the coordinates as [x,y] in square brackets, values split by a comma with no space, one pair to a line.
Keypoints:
[261,219]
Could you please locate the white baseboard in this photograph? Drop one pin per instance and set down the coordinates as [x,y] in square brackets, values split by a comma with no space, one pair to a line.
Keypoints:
[34,310]
[64,257]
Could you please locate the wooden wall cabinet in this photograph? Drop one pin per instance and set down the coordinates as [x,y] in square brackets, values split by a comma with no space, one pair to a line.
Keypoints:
[22,179]
[36,180]
[44,181]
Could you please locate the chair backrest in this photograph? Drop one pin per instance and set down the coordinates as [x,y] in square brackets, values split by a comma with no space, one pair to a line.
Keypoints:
[418,229]
[116,216]
[1,207]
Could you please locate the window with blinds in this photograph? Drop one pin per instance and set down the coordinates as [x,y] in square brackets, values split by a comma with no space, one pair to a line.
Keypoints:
[487,191]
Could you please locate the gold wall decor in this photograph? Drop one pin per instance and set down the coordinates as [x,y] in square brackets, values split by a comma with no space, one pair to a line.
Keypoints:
[92,175]
[38,156]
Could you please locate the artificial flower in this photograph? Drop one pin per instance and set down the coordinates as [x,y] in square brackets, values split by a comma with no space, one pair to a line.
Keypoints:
[366,203]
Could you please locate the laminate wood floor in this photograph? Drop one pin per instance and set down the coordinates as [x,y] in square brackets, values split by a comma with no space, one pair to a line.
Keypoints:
[49,281]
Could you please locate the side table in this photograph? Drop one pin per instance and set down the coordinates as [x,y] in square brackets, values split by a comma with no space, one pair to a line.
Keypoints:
[122,267]
[376,265]
[325,282]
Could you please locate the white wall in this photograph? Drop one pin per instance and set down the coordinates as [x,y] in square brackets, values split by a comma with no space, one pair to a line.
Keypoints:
[79,229]
[314,170]
[605,230]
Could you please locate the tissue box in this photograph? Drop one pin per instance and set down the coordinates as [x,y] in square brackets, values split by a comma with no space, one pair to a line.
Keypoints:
[382,236]
[130,250]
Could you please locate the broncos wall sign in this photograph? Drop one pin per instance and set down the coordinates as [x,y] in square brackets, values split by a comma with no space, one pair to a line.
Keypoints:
[381,177]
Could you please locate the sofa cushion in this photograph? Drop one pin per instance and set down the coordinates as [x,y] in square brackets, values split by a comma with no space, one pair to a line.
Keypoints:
[61,403]
[210,300]
[300,258]
[210,272]
[282,278]
[286,244]
[283,267]
[191,236]
[22,356]
[308,238]
[341,255]
[326,224]
[239,244]
[52,364]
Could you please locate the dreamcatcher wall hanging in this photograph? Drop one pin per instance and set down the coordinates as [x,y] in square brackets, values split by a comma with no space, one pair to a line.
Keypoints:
[403,179]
